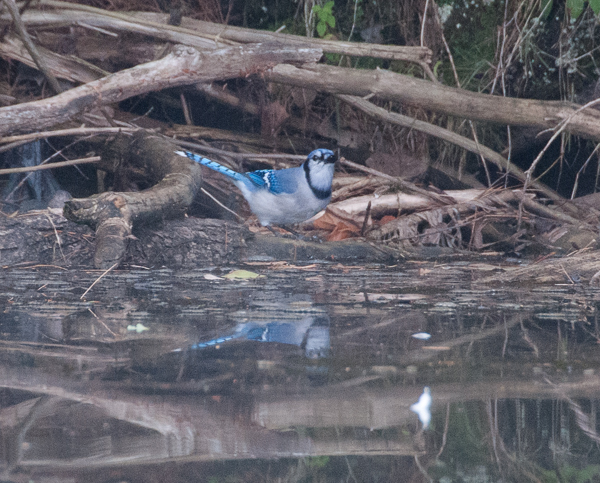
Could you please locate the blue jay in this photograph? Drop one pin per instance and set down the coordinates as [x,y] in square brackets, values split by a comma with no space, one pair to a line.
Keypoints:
[283,196]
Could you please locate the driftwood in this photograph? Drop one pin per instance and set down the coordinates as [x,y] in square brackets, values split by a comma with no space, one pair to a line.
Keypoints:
[581,268]
[447,135]
[132,227]
[223,57]
[44,238]
[184,65]
[112,214]
[439,98]
[209,35]
[336,80]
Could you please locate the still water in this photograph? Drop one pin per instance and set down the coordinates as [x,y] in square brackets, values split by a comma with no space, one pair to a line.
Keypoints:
[306,373]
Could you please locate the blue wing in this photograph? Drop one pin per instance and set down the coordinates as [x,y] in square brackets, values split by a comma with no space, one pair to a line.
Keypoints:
[277,182]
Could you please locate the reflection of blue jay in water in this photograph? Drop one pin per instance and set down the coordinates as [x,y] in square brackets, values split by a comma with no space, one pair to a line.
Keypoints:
[311,333]
[283,196]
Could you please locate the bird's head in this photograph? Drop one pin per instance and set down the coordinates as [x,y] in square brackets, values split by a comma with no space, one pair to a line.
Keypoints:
[320,157]
[318,168]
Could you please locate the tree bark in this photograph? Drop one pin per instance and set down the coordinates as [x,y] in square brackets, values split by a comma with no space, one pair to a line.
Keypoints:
[439,98]
[113,214]
[185,65]
[208,35]
[68,68]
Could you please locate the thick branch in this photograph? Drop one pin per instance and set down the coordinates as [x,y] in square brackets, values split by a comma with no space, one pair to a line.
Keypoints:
[439,98]
[156,25]
[114,214]
[119,21]
[183,66]
[446,135]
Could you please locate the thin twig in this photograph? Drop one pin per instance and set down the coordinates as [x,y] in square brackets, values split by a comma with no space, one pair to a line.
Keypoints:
[447,135]
[102,322]
[98,279]
[563,125]
[78,131]
[44,162]
[231,154]
[444,200]
[220,204]
[60,164]
[186,110]
[31,48]
[423,23]
[9,146]
[363,230]
[57,236]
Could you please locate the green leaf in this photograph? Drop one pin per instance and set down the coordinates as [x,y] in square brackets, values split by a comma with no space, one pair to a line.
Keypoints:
[328,7]
[595,6]
[546,9]
[575,8]
[321,28]
[331,21]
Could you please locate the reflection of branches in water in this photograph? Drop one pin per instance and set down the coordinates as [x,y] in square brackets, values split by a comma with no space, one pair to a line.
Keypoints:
[423,470]
[527,339]
[445,433]
[520,426]
[508,464]
[587,423]
[494,433]
[420,355]
[42,407]
[584,421]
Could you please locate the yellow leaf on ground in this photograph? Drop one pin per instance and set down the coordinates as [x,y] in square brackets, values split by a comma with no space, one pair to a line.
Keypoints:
[242,275]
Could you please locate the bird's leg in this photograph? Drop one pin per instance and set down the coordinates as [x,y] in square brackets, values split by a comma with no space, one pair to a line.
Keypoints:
[294,233]
[298,236]
[288,229]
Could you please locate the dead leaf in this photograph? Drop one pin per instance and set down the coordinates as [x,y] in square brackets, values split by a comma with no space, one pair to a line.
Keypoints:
[386,219]
[339,227]
[342,231]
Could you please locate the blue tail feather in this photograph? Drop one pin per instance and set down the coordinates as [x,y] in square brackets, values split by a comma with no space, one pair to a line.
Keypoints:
[213,165]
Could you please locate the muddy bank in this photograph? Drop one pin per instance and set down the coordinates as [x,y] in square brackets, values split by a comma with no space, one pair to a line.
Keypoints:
[44,237]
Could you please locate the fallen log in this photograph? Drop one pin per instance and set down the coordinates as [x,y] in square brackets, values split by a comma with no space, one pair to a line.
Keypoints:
[208,35]
[439,98]
[113,214]
[183,66]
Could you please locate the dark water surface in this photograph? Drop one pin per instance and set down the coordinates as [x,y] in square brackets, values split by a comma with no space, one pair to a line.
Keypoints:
[304,374]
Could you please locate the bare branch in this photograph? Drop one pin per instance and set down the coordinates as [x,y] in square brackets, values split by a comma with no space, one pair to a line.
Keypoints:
[439,98]
[181,67]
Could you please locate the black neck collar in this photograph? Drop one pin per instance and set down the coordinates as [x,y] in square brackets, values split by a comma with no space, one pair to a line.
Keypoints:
[319,193]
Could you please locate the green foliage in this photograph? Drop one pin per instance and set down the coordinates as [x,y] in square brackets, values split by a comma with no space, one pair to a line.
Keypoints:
[576,7]
[324,17]
[595,6]
[546,7]
[332,59]
[473,42]
[571,474]
[317,462]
